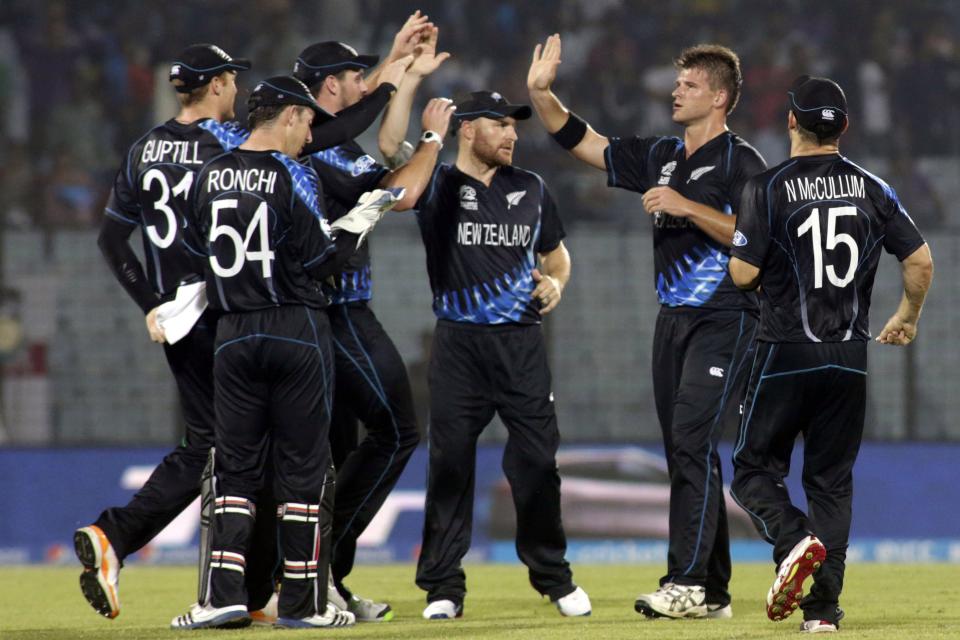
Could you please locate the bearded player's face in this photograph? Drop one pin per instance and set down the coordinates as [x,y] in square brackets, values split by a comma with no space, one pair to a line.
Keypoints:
[494,140]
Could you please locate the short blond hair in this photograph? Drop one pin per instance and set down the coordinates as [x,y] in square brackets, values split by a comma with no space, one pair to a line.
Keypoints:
[721,64]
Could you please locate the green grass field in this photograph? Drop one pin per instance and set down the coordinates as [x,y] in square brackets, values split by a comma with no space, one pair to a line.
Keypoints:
[882,601]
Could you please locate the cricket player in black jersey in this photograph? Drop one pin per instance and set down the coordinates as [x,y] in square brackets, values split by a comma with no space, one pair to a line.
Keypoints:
[372,383]
[269,250]
[809,235]
[484,224]
[151,194]
[706,326]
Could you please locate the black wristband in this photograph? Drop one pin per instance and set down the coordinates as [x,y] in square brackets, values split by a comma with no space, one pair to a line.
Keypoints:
[571,133]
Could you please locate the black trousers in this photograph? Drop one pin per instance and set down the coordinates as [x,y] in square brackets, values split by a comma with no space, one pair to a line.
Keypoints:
[175,482]
[372,386]
[476,370]
[273,377]
[700,363]
[819,391]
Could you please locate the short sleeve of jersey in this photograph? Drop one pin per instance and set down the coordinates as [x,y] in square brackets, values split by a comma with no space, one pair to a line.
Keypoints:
[747,162]
[122,205]
[347,172]
[902,236]
[427,198]
[627,160]
[751,240]
[551,227]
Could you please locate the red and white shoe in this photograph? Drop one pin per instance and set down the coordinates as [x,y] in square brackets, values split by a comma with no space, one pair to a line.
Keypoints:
[100,579]
[787,590]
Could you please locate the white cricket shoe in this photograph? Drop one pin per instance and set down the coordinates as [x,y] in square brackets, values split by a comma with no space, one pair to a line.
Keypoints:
[443,610]
[208,617]
[787,590]
[673,601]
[575,603]
[100,579]
[332,617]
[818,626]
[364,609]
[717,611]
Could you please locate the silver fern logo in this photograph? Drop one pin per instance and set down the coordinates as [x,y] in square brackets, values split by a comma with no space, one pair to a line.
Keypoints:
[514,198]
[697,173]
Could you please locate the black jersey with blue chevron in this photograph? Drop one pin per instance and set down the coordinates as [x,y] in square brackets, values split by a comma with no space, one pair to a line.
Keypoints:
[261,216]
[347,172]
[481,243]
[814,225]
[152,190]
[690,267]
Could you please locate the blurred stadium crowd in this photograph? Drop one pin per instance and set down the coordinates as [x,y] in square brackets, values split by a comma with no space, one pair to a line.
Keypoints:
[81,79]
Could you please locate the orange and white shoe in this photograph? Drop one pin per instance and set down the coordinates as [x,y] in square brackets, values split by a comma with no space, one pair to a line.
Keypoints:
[101,570]
[267,616]
[787,590]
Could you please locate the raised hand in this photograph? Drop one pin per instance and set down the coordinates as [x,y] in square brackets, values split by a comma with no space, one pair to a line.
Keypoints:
[410,35]
[393,71]
[426,59]
[437,114]
[543,67]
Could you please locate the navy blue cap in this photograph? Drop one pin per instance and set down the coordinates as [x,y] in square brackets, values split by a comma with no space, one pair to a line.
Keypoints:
[819,105]
[489,104]
[283,91]
[199,63]
[322,59]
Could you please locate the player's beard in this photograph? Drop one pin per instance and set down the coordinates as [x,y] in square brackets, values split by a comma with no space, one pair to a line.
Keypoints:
[492,156]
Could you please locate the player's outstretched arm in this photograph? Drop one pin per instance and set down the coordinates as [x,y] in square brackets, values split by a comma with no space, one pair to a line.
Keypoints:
[414,176]
[901,328]
[570,131]
[404,44]
[551,278]
[393,129]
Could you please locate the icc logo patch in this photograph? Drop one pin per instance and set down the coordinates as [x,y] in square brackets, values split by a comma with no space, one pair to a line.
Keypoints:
[468,198]
[739,240]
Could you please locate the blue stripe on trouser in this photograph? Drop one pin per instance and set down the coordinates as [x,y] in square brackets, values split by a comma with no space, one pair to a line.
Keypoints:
[378,389]
[731,375]
[743,435]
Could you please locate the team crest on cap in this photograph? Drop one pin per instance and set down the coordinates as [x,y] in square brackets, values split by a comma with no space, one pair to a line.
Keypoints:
[828,114]
[175,70]
[350,49]
[258,87]
[496,96]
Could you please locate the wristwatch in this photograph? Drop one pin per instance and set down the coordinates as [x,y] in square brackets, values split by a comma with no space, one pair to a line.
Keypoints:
[432,136]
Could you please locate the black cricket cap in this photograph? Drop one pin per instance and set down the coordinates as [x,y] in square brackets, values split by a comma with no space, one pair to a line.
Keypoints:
[489,104]
[819,105]
[199,63]
[283,91]
[322,59]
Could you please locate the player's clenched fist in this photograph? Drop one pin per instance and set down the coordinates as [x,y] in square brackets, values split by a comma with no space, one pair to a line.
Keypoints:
[548,291]
[437,114]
